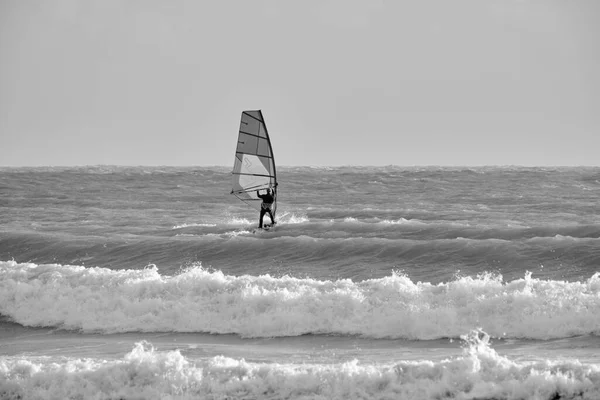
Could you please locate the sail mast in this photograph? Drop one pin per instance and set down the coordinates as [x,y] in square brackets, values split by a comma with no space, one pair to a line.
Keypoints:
[270,146]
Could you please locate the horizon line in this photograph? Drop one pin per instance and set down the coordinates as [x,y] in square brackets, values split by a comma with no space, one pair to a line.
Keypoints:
[312,166]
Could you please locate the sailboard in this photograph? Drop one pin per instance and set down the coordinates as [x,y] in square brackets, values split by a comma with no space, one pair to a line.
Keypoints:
[254,164]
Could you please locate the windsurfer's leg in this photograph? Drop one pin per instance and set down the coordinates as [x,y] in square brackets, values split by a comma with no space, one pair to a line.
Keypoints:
[262,214]
[272,219]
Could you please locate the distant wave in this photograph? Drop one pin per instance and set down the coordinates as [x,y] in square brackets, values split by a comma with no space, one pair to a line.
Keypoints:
[199,300]
[479,373]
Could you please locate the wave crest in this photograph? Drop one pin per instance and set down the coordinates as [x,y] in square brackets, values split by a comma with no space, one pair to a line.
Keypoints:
[151,374]
[201,300]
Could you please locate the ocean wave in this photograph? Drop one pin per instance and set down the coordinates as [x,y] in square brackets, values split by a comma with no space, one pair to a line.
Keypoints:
[145,372]
[201,300]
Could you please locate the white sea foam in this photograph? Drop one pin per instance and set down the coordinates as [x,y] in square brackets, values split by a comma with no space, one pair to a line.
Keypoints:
[193,225]
[198,300]
[399,221]
[147,373]
[291,218]
[239,221]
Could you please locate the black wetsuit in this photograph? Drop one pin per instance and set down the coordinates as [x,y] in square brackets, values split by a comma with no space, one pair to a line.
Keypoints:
[265,208]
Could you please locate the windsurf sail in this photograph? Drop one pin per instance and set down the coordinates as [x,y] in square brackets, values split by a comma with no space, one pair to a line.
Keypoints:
[254,164]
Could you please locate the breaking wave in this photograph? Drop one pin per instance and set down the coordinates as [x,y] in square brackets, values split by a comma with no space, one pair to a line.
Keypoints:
[201,300]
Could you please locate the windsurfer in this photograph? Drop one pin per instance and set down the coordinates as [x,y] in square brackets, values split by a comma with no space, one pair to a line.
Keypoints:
[265,207]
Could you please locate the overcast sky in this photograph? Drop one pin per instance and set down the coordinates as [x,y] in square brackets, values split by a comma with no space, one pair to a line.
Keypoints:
[340,82]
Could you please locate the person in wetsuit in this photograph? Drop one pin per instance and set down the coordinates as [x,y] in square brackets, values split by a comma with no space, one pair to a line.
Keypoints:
[265,207]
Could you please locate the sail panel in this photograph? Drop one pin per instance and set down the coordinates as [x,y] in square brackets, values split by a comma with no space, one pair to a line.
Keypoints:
[252,174]
[254,114]
[247,143]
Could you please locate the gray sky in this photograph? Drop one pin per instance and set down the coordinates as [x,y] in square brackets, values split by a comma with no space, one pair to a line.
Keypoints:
[340,82]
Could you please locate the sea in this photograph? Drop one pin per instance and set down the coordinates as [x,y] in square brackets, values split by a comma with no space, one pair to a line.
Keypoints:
[376,283]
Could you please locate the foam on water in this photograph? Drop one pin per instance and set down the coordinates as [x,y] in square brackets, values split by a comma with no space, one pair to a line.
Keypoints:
[194,225]
[147,373]
[199,300]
